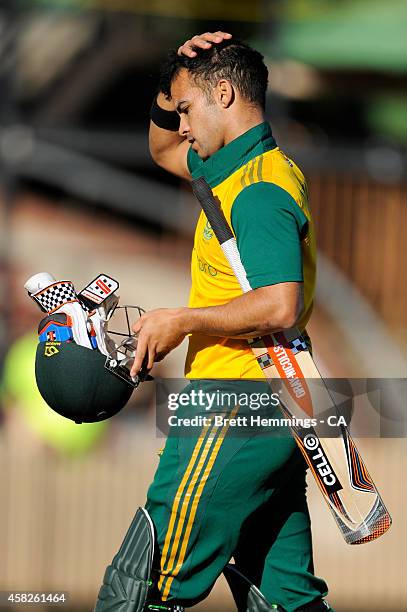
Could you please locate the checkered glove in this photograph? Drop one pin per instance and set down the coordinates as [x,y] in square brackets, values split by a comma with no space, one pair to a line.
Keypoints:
[60,296]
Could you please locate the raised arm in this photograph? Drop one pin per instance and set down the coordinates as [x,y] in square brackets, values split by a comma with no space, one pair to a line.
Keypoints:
[167,147]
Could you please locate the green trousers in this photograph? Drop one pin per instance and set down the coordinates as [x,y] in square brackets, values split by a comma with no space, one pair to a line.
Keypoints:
[222,491]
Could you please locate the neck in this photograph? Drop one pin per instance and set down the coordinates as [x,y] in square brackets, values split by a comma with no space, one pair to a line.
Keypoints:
[242,122]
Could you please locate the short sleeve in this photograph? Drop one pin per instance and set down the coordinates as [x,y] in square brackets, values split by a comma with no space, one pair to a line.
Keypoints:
[269,226]
[193,160]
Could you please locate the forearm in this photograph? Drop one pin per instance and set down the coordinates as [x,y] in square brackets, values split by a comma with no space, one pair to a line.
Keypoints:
[247,316]
[161,140]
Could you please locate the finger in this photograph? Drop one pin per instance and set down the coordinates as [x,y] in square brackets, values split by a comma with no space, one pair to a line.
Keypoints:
[139,357]
[186,49]
[221,34]
[136,327]
[215,37]
[204,41]
[184,46]
[151,357]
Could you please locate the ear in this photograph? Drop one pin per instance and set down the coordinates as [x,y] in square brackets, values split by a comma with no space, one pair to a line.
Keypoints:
[224,93]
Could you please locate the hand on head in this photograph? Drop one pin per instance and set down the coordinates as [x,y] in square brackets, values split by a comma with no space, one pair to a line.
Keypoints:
[202,41]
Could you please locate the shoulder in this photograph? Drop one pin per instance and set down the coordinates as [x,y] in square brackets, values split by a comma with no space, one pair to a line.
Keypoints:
[264,192]
[262,202]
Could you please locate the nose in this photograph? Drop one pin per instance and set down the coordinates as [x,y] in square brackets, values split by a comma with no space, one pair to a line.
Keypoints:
[184,128]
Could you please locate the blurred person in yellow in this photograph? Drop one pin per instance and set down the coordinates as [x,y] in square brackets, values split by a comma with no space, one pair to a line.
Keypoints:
[216,495]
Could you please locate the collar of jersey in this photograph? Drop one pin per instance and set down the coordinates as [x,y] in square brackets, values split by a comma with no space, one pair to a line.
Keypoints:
[236,154]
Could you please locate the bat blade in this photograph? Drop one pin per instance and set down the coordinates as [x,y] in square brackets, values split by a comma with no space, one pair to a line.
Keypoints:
[335,462]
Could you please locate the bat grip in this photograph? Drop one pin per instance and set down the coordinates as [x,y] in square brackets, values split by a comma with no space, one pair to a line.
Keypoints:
[210,206]
[222,231]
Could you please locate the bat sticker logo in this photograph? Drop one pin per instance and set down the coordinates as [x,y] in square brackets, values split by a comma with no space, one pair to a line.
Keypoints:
[321,464]
[311,442]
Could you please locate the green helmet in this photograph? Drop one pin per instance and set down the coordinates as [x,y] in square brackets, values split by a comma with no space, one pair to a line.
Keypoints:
[74,382]
[82,372]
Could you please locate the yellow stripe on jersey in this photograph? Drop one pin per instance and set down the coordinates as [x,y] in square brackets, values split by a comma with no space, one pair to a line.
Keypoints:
[251,172]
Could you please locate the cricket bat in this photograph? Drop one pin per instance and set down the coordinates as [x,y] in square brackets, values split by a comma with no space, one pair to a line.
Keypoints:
[284,358]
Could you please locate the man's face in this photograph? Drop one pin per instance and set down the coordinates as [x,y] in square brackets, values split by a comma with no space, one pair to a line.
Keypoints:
[202,122]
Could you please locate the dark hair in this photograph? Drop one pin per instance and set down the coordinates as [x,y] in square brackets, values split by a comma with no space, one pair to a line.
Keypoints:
[233,60]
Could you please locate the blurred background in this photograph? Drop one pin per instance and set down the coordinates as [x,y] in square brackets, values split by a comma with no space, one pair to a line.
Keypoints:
[80,195]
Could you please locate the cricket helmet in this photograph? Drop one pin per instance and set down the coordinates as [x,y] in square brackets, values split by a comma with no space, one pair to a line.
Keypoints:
[82,368]
[74,382]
